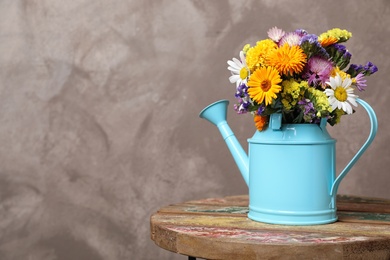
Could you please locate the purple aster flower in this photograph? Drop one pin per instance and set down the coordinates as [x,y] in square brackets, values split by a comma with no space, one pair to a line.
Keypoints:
[301,32]
[291,38]
[370,68]
[340,48]
[307,105]
[339,55]
[318,70]
[241,108]
[310,45]
[241,91]
[243,99]
[355,67]
[309,113]
[260,110]
[360,82]
[366,70]
[311,38]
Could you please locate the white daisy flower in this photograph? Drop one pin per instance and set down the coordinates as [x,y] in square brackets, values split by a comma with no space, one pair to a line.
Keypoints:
[341,92]
[239,70]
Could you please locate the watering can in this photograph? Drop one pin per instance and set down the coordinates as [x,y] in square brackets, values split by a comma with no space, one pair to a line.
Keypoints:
[290,168]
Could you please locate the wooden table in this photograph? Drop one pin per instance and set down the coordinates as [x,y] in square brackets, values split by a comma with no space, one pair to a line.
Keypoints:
[218,228]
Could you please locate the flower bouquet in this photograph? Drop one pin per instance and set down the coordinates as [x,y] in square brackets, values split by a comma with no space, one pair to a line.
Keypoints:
[303,76]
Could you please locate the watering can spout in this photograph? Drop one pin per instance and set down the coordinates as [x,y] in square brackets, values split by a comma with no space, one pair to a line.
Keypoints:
[216,114]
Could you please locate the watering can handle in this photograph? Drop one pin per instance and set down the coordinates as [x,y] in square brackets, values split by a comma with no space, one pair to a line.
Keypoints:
[374,128]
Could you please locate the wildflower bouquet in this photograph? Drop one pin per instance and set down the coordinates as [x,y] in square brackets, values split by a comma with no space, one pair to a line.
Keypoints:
[301,75]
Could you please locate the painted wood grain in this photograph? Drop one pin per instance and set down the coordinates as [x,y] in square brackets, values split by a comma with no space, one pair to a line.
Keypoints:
[218,228]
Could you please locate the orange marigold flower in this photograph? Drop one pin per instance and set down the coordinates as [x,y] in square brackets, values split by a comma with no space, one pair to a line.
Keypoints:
[287,59]
[260,122]
[326,41]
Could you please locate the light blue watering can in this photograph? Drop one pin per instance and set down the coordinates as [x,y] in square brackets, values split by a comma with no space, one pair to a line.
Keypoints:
[290,170]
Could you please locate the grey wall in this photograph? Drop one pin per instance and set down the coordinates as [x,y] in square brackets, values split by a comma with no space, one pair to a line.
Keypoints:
[99,104]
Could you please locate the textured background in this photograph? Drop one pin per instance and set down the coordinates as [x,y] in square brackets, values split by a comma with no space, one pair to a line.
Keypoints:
[99,104]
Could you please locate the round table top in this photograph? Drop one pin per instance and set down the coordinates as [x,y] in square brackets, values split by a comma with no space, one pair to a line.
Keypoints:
[218,228]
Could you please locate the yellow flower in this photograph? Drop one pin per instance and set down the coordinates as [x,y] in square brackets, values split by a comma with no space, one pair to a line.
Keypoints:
[337,113]
[287,59]
[260,122]
[332,36]
[320,102]
[294,88]
[293,91]
[256,56]
[263,85]
[343,75]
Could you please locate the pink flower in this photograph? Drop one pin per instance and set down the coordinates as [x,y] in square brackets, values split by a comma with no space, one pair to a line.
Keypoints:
[275,34]
[318,71]
[291,38]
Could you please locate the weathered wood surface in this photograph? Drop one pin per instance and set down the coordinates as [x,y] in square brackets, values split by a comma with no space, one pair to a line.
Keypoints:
[218,228]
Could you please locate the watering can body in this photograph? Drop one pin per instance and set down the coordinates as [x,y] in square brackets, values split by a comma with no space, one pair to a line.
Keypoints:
[291,173]
[289,169]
